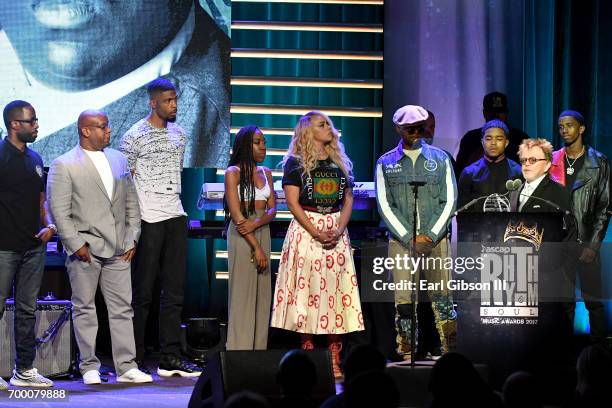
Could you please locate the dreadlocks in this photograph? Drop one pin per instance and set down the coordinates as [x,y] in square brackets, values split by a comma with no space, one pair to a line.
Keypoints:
[242,157]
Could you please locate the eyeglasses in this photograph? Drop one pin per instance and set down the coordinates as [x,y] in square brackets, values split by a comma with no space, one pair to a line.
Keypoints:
[411,130]
[32,121]
[530,160]
[103,127]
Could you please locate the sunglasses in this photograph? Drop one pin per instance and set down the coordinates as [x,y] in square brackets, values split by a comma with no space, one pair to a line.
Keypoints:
[411,130]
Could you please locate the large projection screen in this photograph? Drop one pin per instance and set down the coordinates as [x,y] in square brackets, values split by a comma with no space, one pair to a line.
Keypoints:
[67,56]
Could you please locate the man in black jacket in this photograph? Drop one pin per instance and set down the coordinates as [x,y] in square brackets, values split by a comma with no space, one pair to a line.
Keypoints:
[585,173]
[489,174]
[540,194]
[494,106]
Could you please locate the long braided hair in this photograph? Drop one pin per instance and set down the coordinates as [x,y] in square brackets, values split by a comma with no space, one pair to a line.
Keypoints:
[242,157]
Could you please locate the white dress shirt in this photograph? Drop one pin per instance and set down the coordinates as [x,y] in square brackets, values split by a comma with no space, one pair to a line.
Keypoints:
[528,190]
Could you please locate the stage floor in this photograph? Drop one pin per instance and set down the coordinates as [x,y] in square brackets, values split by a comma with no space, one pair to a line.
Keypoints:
[164,392]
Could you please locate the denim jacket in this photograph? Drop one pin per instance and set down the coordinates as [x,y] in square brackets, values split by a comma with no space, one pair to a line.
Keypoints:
[395,199]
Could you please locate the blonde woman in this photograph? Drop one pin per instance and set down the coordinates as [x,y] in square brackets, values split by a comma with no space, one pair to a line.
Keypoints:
[316,286]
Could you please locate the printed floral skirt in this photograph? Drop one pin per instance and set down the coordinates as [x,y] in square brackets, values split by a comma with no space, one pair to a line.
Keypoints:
[316,288]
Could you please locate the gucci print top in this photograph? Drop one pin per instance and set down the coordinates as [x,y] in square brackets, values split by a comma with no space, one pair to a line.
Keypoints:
[323,190]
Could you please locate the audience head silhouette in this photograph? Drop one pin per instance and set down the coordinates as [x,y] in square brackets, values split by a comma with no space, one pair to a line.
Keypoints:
[372,389]
[594,369]
[296,374]
[521,390]
[454,382]
[361,359]
[246,399]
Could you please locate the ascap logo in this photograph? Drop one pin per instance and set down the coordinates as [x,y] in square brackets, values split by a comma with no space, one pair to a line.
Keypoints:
[522,232]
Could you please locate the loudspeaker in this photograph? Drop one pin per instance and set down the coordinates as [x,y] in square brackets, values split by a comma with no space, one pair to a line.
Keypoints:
[202,338]
[412,383]
[53,330]
[232,371]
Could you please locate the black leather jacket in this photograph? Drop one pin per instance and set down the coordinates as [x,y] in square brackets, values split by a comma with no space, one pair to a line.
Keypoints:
[591,203]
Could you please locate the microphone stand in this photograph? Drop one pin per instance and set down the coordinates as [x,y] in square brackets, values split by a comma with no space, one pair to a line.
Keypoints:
[413,295]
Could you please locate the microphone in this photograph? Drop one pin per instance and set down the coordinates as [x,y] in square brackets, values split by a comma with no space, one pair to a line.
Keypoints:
[513,185]
[468,205]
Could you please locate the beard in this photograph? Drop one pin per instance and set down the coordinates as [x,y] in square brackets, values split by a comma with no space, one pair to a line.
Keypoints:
[26,137]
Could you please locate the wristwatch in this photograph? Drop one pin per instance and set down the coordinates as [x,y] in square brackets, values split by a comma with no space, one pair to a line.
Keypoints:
[53,228]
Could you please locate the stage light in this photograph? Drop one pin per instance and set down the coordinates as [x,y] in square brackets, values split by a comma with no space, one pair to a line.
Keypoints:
[306,54]
[275,173]
[280,215]
[272,152]
[224,255]
[308,82]
[356,2]
[300,110]
[275,131]
[301,26]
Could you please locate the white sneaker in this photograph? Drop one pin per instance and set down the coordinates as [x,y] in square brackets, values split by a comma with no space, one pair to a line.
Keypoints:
[30,378]
[3,384]
[134,375]
[92,377]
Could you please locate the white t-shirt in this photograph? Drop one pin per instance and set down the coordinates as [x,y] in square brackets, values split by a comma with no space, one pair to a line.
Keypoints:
[104,169]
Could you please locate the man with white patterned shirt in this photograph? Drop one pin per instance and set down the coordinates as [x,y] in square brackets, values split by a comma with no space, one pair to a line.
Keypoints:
[155,148]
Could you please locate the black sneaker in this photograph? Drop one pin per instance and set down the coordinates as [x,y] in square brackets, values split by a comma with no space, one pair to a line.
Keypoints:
[142,367]
[435,353]
[420,355]
[169,366]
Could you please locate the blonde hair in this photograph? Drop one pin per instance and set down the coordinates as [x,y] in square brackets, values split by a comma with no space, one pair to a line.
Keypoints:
[541,143]
[301,146]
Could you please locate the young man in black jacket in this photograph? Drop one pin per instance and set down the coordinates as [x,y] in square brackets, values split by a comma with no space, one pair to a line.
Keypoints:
[585,173]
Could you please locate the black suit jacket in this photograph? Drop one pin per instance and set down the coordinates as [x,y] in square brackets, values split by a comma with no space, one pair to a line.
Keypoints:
[551,191]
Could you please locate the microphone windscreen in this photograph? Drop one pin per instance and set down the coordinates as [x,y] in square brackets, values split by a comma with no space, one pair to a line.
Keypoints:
[510,185]
[517,183]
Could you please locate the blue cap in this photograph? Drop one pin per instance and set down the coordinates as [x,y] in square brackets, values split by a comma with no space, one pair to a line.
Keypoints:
[576,115]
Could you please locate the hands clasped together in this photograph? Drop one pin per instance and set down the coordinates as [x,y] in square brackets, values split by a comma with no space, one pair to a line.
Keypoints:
[258,255]
[329,238]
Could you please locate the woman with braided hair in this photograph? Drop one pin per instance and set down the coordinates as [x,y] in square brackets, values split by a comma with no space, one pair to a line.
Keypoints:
[250,206]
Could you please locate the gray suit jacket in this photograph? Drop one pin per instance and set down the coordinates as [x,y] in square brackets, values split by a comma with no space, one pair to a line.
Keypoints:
[82,209]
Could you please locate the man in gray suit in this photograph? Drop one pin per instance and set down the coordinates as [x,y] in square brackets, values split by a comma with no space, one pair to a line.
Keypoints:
[95,207]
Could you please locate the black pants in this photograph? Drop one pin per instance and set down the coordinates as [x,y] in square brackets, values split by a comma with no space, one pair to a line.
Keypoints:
[162,252]
[591,290]
[25,270]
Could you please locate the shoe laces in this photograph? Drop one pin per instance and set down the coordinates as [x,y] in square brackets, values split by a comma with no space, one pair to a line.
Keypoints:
[31,374]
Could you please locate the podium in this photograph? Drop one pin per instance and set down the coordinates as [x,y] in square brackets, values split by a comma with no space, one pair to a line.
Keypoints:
[512,315]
